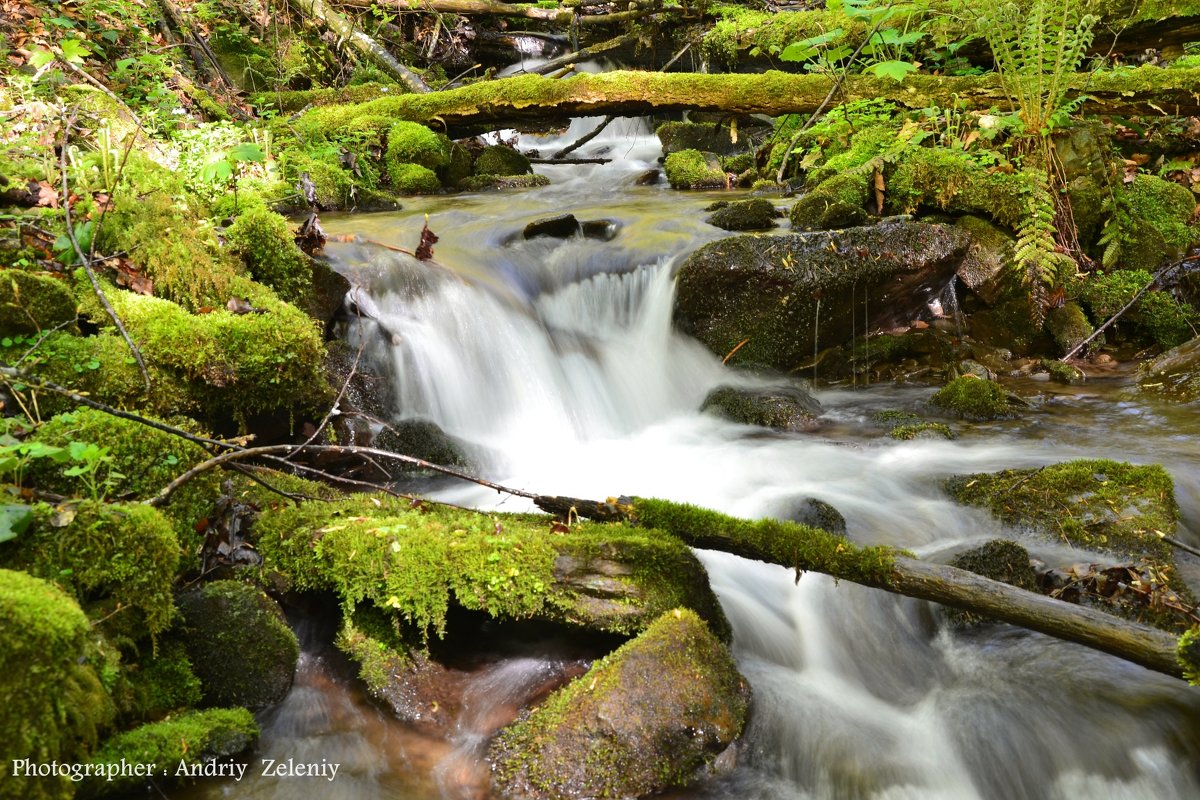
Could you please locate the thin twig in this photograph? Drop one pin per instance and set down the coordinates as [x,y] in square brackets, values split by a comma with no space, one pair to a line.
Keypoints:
[1162,273]
[587,137]
[68,124]
[333,409]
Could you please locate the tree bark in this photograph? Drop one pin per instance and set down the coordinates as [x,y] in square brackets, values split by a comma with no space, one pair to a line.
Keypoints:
[802,548]
[1143,91]
[364,44]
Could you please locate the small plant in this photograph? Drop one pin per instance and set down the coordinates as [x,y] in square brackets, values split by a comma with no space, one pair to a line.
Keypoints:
[93,466]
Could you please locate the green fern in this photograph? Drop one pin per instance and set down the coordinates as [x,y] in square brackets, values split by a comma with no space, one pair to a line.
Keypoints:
[1037,253]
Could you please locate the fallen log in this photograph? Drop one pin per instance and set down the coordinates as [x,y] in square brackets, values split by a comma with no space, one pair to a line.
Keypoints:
[803,548]
[1143,91]
[561,15]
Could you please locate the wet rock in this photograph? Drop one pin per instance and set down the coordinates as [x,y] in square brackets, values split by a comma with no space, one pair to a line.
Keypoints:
[776,293]
[1001,560]
[603,229]
[676,136]
[784,408]
[812,512]
[836,202]
[1069,326]
[975,398]
[646,718]
[328,293]
[1175,374]
[693,169]
[423,439]
[985,268]
[757,214]
[564,226]
[241,648]
[500,159]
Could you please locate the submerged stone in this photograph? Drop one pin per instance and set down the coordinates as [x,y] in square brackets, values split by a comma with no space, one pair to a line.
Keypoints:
[644,719]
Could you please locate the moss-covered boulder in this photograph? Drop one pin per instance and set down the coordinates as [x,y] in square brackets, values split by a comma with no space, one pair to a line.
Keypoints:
[999,559]
[986,269]
[784,408]
[1097,504]
[1157,317]
[769,296]
[118,560]
[500,159]
[974,398]
[756,214]
[162,683]
[644,719]
[813,512]
[241,648]
[1175,374]
[693,169]
[411,143]
[415,562]
[706,137]
[1151,224]
[31,302]
[54,703]
[413,179]
[181,745]
[143,461]
[1069,326]
[262,239]
[836,202]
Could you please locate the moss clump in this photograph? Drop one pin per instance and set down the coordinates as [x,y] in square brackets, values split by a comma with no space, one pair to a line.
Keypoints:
[119,560]
[1069,326]
[952,180]
[1188,655]
[676,136]
[757,214]
[265,243]
[973,398]
[500,159]
[790,543]
[241,649]
[54,703]
[1061,372]
[333,185]
[1156,316]
[836,203]
[1097,504]
[480,183]
[458,168]
[145,459]
[163,683]
[645,718]
[414,563]
[692,169]
[1150,224]
[31,302]
[190,739]
[411,143]
[413,179]
[924,430]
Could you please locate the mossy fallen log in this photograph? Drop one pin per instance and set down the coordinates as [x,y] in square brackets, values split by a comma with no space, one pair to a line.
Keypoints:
[802,548]
[1145,90]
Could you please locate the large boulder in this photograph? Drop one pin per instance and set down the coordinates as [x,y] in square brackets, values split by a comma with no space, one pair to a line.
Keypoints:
[241,648]
[772,294]
[644,719]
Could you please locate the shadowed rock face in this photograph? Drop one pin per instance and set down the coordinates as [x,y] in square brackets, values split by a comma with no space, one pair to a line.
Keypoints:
[776,292]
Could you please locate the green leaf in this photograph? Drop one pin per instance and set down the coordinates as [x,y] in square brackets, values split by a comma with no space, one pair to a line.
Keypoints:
[14,520]
[218,171]
[246,151]
[896,70]
[74,51]
[40,57]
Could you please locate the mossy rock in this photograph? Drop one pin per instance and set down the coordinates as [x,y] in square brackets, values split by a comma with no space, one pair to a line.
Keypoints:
[413,179]
[706,137]
[55,705]
[1175,374]
[334,186]
[411,143]
[1153,221]
[119,560]
[987,268]
[1156,317]
[1061,372]
[265,243]
[1001,560]
[183,742]
[693,169]
[921,430]
[1069,326]
[162,683]
[31,302]
[415,562]
[457,168]
[644,719]
[812,512]
[974,398]
[836,202]
[146,459]
[423,439]
[783,408]
[1088,197]
[757,214]
[241,648]
[952,180]
[1010,325]
[482,183]
[1109,506]
[500,159]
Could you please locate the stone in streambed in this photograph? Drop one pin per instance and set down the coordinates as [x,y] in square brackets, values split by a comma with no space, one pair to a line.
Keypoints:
[783,408]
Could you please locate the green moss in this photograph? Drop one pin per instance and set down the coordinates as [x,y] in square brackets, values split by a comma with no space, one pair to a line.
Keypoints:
[998,559]
[973,398]
[31,302]
[410,143]
[915,429]
[146,460]
[265,243]
[1069,326]
[290,102]
[1188,654]
[333,185]
[1156,317]
[413,179]
[499,159]
[1102,505]
[479,183]
[645,718]
[189,739]
[163,683]
[119,560]
[241,648]
[691,169]
[954,181]
[676,136]
[1166,205]
[755,214]
[54,704]
[801,546]
[1060,371]
[458,168]
[836,203]
[416,562]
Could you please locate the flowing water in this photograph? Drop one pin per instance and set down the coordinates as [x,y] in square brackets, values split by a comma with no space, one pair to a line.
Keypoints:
[555,360]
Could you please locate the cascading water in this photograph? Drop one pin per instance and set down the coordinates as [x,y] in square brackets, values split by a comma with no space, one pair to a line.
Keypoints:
[558,361]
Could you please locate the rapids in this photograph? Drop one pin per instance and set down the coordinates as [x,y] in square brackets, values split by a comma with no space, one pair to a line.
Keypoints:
[556,361]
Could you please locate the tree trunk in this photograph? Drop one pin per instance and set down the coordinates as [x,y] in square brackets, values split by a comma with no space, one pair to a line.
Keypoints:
[1146,91]
[809,549]
[363,44]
